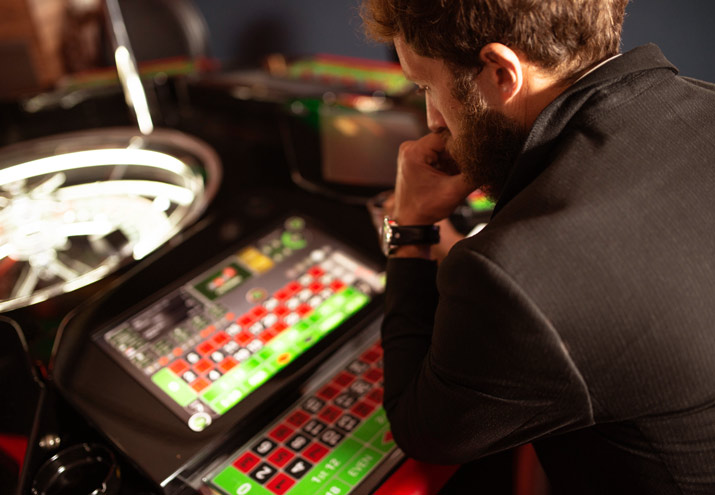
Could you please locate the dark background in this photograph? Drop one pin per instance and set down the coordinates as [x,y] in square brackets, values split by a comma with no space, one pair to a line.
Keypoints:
[244,31]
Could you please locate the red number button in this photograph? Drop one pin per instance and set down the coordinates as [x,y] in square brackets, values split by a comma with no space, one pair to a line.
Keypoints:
[220,339]
[227,364]
[280,433]
[372,355]
[298,418]
[246,462]
[179,367]
[328,392]
[374,375]
[281,457]
[315,452]
[343,379]
[375,395]
[363,409]
[199,384]
[203,366]
[280,484]
[330,414]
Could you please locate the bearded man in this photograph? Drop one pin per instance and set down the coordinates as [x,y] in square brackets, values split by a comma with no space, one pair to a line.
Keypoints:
[582,318]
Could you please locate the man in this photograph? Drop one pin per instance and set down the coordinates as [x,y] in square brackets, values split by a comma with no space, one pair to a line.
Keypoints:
[582,318]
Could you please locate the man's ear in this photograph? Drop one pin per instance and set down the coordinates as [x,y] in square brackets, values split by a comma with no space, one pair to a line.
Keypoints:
[502,76]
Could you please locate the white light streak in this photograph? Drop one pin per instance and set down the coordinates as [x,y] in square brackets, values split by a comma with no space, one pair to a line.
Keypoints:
[150,189]
[93,158]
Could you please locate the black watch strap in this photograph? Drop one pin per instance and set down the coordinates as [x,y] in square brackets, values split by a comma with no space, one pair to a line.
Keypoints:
[395,235]
[415,234]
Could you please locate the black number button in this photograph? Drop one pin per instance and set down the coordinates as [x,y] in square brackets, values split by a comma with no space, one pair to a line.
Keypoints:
[348,422]
[314,427]
[298,442]
[331,437]
[357,367]
[313,405]
[263,473]
[264,447]
[345,400]
[360,387]
[298,468]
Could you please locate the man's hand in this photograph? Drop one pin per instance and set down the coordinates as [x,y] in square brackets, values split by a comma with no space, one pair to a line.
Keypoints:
[424,194]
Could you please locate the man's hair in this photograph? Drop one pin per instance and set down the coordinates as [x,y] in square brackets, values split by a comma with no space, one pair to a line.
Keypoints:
[564,37]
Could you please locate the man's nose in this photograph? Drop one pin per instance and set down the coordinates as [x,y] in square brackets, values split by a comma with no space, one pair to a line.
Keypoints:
[435,121]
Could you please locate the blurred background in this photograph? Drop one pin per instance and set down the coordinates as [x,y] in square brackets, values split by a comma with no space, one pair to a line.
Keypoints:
[241,35]
[44,39]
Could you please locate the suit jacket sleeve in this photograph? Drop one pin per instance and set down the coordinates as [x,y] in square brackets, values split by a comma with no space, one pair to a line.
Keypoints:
[474,368]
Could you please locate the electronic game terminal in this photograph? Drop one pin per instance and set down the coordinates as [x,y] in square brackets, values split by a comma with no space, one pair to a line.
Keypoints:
[172,380]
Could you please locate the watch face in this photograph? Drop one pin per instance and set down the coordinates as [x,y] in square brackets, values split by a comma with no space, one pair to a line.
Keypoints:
[386,235]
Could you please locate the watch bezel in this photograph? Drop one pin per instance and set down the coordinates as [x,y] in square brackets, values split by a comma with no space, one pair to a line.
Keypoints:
[386,236]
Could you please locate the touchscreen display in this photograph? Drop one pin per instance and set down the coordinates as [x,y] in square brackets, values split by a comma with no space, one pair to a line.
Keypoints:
[205,346]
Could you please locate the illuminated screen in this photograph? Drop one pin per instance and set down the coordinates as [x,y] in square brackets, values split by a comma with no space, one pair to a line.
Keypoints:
[208,344]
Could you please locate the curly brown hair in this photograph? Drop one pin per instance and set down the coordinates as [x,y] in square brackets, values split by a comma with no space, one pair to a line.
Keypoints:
[561,36]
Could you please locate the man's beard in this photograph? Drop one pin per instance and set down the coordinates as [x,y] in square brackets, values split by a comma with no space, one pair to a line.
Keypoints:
[487,143]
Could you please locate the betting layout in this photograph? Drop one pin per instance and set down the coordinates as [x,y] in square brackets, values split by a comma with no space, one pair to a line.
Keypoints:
[205,346]
[326,444]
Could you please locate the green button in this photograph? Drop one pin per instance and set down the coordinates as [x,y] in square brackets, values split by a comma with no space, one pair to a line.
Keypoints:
[293,240]
[349,292]
[384,442]
[227,391]
[374,425]
[174,387]
[228,382]
[360,466]
[302,325]
[271,367]
[211,394]
[313,482]
[251,364]
[336,301]
[334,487]
[285,339]
[306,341]
[356,302]
[322,473]
[320,313]
[345,451]
[224,402]
[331,322]
[258,378]
[285,343]
[234,378]
[265,353]
[278,344]
[234,482]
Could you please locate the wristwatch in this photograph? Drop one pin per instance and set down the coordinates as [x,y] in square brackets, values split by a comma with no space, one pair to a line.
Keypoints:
[394,235]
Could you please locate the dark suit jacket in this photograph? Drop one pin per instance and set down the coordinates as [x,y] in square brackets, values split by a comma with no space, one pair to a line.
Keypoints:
[582,318]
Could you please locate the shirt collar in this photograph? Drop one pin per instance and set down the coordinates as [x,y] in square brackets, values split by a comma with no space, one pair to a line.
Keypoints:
[597,66]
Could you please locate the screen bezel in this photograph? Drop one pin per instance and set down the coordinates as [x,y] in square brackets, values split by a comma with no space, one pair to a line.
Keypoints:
[303,144]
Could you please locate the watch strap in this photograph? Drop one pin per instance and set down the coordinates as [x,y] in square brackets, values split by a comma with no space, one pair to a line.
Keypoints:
[404,235]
